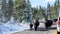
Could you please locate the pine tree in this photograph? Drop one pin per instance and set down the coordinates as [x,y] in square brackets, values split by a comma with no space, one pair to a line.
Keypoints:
[34,11]
[55,8]
[28,11]
[49,11]
[4,10]
[4,7]
[10,8]
[19,6]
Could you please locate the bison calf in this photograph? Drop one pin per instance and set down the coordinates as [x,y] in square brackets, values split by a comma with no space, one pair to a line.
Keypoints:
[31,25]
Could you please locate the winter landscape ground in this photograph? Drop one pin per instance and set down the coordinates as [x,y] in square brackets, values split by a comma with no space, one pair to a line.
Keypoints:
[7,28]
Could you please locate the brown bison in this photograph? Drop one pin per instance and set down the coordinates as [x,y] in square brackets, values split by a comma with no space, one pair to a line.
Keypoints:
[48,23]
[30,25]
[36,24]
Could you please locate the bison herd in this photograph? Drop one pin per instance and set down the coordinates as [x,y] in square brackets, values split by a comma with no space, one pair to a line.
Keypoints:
[48,24]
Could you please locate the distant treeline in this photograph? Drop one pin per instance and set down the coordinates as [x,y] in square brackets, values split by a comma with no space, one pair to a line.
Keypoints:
[17,9]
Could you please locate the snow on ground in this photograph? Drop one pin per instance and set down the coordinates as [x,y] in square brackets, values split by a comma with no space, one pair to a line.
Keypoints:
[11,28]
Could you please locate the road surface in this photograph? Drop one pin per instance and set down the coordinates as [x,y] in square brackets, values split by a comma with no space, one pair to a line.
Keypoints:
[40,30]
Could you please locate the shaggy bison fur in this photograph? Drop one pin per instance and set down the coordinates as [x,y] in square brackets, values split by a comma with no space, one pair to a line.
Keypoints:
[31,25]
[36,24]
[48,23]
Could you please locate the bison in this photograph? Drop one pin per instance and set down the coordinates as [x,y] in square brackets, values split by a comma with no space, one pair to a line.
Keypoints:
[48,23]
[36,24]
[31,25]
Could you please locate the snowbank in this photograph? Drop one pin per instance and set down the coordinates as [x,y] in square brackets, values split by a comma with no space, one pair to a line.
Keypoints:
[6,28]
[11,28]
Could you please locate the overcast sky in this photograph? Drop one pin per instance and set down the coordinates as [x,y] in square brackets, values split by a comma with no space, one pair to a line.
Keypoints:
[43,3]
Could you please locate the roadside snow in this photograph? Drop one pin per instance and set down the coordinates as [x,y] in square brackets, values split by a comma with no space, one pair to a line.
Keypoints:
[11,28]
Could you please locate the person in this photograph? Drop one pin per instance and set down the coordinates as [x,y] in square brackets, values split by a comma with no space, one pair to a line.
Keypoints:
[58,21]
[58,25]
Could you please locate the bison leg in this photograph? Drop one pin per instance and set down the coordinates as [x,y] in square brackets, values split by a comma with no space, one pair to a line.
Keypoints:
[35,28]
[46,26]
[31,25]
